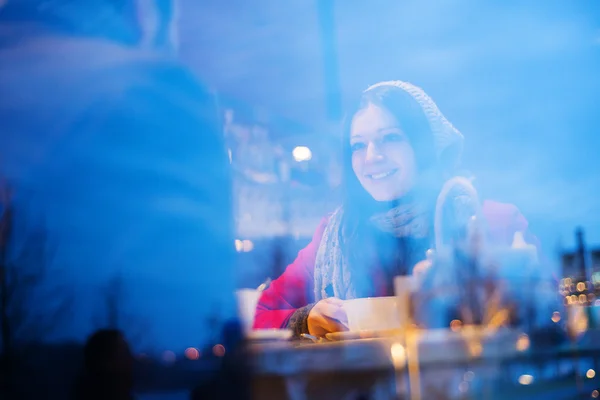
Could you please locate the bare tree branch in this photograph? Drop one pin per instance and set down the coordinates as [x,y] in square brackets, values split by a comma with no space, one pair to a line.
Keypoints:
[25,282]
[117,316]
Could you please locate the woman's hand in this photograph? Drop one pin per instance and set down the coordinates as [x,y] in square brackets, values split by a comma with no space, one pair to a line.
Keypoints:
[327,316]
[420,270]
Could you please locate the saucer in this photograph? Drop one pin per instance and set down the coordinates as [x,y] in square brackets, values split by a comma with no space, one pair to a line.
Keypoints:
[365,334]
[269,334]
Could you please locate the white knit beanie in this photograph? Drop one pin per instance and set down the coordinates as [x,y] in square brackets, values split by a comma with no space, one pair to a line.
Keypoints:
[448,140]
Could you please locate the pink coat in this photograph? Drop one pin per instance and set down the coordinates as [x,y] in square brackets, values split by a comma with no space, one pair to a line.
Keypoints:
[294,288]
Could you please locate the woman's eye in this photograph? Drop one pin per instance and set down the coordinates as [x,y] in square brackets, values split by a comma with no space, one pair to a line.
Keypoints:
[393,137]
[357,146]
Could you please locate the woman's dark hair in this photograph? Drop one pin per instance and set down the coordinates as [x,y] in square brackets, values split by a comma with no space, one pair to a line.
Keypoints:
[355,234]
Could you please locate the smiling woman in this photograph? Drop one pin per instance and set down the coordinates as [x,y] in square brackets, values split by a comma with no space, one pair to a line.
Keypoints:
[398,150]
[382,157]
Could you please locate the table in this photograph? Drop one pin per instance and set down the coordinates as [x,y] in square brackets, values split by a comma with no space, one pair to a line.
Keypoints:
[335,370]
[378,368]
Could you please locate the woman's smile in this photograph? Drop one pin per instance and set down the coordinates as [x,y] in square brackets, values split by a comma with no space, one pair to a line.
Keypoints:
[379,176]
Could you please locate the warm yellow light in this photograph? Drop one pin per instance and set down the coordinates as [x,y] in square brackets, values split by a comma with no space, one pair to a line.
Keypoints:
[475,349]
[555,316]
[580,286]
[398,355]
[567,300]
[579,321]
[522,343]
[455,325]
[582,299]
[526,379]
[567,281]
[590,373]
[239,246]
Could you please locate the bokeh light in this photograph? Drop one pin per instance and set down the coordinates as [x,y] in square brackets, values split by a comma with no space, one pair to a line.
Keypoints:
[526,379]
[192,353]
[218,350]
[590,374]
[302,153]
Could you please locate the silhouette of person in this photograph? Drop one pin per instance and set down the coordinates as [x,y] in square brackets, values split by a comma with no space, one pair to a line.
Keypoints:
[108,368]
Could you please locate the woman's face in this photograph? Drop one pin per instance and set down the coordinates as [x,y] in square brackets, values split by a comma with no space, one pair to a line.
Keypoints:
[382,157]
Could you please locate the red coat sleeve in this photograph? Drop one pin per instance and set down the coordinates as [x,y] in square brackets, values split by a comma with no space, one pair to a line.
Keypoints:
[292,290]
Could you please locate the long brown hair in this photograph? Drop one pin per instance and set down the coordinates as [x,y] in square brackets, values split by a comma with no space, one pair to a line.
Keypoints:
[359,239]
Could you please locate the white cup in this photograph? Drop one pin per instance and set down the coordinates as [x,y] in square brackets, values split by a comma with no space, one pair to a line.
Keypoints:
[373,313]
[404,287]
[247,299]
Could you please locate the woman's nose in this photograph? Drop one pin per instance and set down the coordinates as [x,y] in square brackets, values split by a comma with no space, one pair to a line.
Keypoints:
[373,153]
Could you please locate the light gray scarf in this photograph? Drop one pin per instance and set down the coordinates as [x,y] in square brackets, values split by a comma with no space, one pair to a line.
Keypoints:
[331,269]
[405,220]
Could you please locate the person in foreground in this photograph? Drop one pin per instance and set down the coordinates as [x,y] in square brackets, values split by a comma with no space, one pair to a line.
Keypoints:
[106,141]
[398,150]
[109,145]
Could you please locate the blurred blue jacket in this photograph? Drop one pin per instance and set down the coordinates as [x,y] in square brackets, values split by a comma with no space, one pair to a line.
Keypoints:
[120,152]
